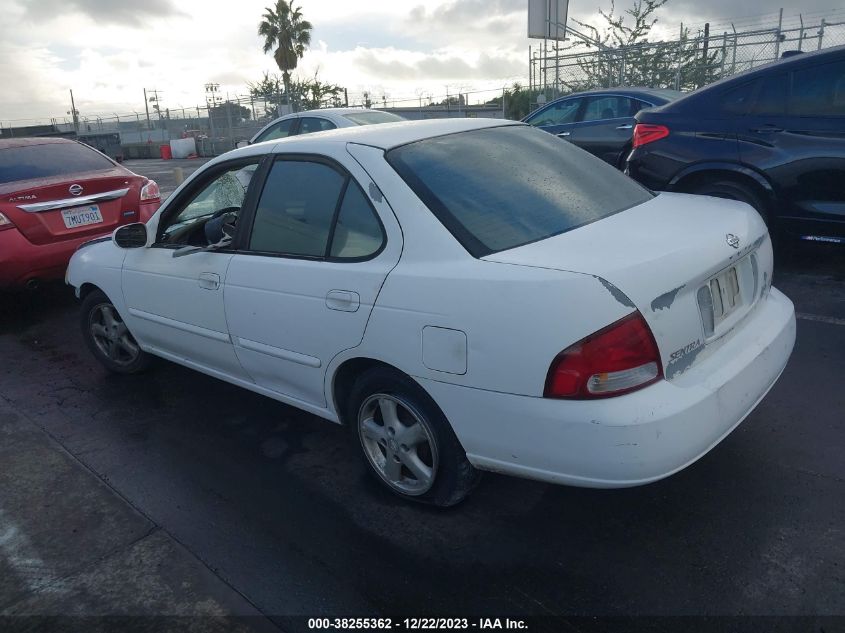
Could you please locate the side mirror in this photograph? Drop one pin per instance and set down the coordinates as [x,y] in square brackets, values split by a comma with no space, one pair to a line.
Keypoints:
[131,236]
[241,144]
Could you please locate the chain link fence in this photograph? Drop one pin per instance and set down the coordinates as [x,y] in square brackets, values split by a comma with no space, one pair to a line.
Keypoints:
[683,64]
[219,127]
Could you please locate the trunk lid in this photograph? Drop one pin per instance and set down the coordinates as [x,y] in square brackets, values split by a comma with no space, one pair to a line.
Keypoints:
[663,257]
[46,210]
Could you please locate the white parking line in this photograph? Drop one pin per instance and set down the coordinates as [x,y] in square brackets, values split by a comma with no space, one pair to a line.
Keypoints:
[17,550]
[821,319]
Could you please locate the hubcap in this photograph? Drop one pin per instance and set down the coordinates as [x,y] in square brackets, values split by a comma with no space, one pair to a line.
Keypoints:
[111,335]
[398,444]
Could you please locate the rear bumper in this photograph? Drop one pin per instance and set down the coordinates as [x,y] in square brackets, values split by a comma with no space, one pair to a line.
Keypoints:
[22,261]
[633,439]
[654,171]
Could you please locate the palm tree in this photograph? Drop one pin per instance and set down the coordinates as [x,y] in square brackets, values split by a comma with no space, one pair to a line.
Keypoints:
[284,29]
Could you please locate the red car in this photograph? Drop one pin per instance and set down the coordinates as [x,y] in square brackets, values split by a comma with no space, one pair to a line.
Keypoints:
[56,194]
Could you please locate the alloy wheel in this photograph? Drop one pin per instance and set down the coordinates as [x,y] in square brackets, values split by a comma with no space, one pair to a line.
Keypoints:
[398,443]
[111,335]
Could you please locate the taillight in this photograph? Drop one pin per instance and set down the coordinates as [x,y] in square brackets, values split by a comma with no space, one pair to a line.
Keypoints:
[617,359]
[5,223]
[150,191]
[645,133]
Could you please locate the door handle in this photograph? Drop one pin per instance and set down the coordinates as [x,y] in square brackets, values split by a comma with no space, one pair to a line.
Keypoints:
[343,300]
[767,130]
[209,281]
[565,134]
[626,126]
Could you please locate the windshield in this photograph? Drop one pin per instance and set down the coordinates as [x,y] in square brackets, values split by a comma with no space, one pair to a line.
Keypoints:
[502,187]
[372,118]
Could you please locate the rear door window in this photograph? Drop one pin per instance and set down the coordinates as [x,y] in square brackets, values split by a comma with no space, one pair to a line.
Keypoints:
[819,91]
[48,160]
[296,209]
[771,96]
[608,107]
[737,100]
[309,124]
[502,187]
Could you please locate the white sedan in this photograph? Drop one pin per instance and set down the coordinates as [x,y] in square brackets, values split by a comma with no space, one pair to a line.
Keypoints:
[321,120]
[464,295]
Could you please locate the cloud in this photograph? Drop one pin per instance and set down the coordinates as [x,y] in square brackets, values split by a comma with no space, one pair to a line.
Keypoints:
[124,12]
[398,65]
[470,23]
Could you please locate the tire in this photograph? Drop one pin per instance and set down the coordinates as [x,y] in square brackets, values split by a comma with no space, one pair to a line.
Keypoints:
[732,190]
[405,440]
[108,338]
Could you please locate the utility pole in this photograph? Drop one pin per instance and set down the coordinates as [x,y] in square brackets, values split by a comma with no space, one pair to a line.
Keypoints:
[74,113]
[147,108]
[779,35]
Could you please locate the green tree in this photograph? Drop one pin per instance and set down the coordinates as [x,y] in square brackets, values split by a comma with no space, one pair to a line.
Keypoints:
[312,93]
[518,100]
[626,54]
[315,93]
[227,113]
[269,89]
[285,30]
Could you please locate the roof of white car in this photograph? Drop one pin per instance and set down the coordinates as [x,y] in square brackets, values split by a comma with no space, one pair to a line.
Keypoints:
[389,135]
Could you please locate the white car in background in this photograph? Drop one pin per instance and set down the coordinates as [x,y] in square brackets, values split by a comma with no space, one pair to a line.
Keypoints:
[321,120]
[464,294]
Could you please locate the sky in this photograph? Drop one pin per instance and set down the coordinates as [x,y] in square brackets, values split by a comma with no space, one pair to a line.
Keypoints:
[109,51]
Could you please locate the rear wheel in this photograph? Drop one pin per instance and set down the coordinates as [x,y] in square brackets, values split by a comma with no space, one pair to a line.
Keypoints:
[108,338]
[406,441]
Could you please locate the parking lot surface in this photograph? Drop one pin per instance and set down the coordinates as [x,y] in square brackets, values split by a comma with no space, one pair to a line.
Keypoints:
[164,171]
[272,509]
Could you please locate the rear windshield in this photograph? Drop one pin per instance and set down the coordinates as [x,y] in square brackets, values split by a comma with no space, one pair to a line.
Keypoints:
[503,187]
[49,159]
[371,118]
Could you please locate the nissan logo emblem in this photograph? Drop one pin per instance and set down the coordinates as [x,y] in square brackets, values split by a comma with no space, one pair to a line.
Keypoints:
[732,240]
[75,190]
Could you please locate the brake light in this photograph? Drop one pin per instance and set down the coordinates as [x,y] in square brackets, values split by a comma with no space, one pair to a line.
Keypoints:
[5,223]
[620,358]
[645,133]
[150,191]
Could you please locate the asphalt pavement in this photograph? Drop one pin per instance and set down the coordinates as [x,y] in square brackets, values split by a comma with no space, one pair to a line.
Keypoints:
[229,502]
[164,172]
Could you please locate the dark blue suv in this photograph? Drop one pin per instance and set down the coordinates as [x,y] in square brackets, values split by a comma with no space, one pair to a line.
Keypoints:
[773,137]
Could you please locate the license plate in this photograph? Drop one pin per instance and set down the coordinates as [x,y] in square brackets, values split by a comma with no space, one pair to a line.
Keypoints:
[724,288]
[82,216]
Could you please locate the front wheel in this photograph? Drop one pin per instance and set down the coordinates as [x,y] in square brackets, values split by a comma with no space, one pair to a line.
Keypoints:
[406,441]
[108,338]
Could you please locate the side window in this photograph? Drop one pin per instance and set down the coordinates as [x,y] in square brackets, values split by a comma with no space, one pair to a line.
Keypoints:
[224,195]
[603,108]
[358,232]
[308,125]
[737,100]
[280,130]
[557,113]
[637,105]
[771,96]
[296,209]
[819,91]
